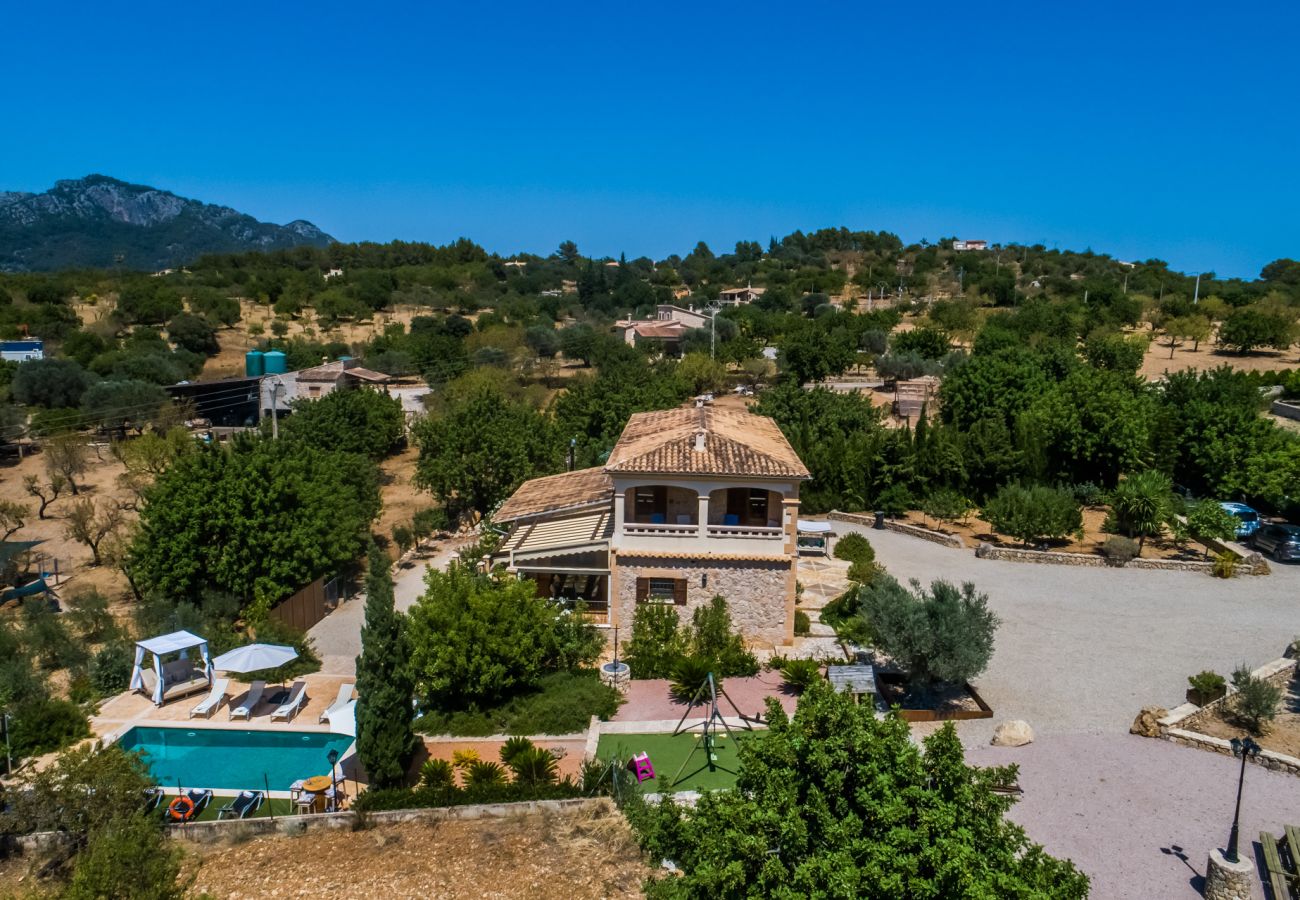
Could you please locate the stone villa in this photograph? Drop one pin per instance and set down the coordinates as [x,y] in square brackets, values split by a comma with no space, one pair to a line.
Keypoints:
[693,502]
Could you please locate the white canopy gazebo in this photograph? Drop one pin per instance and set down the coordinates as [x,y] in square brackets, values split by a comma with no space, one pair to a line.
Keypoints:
[164,681]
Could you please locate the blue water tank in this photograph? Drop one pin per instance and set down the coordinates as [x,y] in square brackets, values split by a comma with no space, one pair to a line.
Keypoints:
[273,363]
[253,363]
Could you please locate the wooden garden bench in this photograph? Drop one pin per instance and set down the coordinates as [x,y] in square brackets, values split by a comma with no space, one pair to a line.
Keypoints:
[1284,882]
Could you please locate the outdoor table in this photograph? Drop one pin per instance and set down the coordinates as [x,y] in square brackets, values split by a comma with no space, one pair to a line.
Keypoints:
[318,785]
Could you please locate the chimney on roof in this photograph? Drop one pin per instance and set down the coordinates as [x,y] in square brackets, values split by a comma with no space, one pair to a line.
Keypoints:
[699,441]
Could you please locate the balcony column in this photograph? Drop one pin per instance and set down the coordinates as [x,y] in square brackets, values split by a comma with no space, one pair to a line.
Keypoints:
[703,515]
[619,502]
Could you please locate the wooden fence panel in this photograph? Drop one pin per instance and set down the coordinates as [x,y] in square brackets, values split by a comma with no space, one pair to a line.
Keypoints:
[305,608]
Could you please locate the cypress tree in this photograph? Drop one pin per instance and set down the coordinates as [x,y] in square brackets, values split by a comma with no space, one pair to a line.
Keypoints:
[385,740]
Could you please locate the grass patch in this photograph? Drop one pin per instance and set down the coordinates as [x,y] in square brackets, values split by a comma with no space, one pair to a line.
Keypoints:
[563,703]
[269,807]
[667,754]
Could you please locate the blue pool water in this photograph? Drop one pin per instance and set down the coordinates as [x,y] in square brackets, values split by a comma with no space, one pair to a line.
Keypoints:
[231,759]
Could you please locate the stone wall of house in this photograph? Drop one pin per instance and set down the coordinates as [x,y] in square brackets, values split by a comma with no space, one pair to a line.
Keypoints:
[759,593]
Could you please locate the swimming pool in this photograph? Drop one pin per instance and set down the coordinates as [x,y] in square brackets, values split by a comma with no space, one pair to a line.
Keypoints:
[233,759]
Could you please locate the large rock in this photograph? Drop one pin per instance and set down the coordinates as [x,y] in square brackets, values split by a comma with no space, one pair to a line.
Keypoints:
[1012,733]
[1147,722]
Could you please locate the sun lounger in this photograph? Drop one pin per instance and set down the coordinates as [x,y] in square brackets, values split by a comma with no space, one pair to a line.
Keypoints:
[199,801]
[254,696]
[241,806]
[213,701]
[289,708]
[342,700]
[152,797]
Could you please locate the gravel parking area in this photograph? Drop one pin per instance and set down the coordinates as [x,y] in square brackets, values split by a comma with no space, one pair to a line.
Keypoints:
[1080,651]
[1124,808]
[1083,649]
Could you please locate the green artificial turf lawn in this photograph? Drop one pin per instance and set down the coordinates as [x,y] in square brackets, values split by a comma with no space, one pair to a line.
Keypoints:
[279,807]
[667,754]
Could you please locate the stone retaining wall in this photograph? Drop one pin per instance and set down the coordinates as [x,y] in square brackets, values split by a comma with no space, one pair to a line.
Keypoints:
[1254,564]
[925,534]
[1178,725]
[208,832]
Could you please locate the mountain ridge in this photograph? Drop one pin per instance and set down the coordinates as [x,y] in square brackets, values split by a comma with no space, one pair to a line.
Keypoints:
[101,222]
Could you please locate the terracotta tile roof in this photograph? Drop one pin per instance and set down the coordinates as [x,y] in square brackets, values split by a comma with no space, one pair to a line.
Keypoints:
[734,443]
[661,330]
[568,490]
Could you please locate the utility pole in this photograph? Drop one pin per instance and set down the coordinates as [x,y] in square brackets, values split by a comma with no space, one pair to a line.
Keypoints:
[276,384]
[1196,294]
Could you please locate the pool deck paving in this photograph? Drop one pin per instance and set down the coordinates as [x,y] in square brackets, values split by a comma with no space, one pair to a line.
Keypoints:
[125,711]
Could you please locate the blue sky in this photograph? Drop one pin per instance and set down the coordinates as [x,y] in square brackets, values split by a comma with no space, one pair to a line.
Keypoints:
[1149,129]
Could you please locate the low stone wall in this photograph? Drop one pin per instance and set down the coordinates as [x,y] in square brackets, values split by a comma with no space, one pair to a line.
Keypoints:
[209,832]
[925,534]
[1178,725]
[1286,410]
[1254,564]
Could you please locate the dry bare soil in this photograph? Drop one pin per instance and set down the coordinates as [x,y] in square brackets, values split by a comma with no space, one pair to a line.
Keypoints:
[566,856]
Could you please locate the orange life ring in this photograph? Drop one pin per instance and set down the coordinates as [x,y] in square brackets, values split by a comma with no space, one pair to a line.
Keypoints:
[181,803]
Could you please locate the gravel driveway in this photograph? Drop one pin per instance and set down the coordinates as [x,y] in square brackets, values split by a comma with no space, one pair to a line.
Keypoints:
[1079,652]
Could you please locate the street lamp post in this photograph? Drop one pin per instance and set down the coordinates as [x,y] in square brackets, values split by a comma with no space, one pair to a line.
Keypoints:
[1243,748]
[333,757]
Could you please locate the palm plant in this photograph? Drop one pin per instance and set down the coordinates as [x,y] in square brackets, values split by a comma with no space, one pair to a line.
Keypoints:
[513,747]
[436,774]
[1141,503]
[482,773]
[534,767]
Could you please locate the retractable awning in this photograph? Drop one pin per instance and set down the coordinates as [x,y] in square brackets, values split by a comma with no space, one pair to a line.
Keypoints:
[550,537]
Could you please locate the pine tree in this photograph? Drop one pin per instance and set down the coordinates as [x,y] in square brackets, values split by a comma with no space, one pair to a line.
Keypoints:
[385,741]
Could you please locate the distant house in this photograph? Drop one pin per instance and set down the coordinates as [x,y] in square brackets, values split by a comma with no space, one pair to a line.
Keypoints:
[316,382]
[740,296]
[667,328]
[961,246]
[515,264]
[21,351]
[692,503]
[333,273]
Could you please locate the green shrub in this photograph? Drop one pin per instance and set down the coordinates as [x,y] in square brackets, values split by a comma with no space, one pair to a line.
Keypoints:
[854,547]
[482,773]
[43,725]
[429,520]
[946,505]
[1225,564]
[1119,550]
[436,775]
[1207,686]
[802,624]
[689,673]
[943,635]
[129,858]
[403,537]
[863,572]
[1033,514]
[513,747]
[533,767]
[89,615]
[798,674]
[712,638]
[1089,493]
[1256,702]
[562,703]
[110,670]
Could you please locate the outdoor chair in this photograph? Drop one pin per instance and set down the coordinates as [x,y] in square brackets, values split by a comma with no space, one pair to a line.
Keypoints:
[152,797]
[731,519]
[290,707]
[242,805]
[213,701]
[295,790]
[334,798]
[251,699]
[343,699]
[199,801]
[306,803]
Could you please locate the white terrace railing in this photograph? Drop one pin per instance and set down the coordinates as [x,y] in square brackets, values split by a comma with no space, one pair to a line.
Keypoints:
[660,529]
[746,531]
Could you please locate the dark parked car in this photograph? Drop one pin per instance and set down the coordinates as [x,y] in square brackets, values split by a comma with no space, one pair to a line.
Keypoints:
[1282,542]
